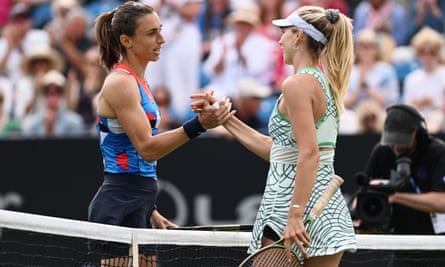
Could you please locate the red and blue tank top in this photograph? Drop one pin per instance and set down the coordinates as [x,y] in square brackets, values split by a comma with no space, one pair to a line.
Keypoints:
[119,154]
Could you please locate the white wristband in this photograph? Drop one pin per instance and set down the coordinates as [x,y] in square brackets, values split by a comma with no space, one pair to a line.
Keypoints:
[296,206]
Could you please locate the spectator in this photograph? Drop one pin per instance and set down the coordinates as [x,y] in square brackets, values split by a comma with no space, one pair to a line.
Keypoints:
[341,5]
[52,118]
[18,38]
[84,89]
[59,11]
[369,117]
[8,95]
[35,65]
[269,10]
[178,70]
[424,88]
[240,53]
[8,126]
[426,13]
[383,16]
[74,41]
[212,21]
[247,100]
[169,116]
[371,78]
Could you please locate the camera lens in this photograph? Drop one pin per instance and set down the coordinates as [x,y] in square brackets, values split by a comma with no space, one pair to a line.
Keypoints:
[373,208]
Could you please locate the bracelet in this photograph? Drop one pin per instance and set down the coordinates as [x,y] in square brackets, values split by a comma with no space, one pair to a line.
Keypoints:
[193,128]
[296,206]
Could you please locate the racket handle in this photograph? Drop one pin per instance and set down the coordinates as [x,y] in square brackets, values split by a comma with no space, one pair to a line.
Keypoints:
[321,203]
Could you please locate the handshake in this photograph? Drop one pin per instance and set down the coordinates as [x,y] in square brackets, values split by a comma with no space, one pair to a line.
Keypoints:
[212,111]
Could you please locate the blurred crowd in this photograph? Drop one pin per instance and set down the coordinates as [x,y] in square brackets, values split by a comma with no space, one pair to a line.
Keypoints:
[50,70]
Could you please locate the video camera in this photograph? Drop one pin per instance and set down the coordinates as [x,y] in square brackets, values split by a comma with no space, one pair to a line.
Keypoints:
[372,207]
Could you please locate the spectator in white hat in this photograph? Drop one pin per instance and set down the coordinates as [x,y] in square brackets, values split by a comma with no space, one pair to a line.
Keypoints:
[35,65]
[52,118]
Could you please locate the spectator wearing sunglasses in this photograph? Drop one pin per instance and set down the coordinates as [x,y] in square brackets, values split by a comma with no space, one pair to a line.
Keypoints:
[424,88]
[52,118]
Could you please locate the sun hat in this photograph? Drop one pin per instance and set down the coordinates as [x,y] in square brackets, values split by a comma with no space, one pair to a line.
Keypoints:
[249,87]
[246,14]
[42,52]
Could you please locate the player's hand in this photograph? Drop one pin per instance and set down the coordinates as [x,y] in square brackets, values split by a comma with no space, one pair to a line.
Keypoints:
[212,111]
[295,233]
[201,99]
[160,222]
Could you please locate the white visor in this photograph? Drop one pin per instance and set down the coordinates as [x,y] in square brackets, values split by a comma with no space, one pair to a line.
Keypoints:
[295,20]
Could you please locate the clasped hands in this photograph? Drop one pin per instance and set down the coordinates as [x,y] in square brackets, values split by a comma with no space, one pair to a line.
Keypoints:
[212,111]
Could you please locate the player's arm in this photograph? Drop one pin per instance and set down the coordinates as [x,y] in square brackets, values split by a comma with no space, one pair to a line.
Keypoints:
[298,106]
[256,142]
[121,99]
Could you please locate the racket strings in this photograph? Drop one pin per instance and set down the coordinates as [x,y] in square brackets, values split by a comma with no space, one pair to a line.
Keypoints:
[273,257]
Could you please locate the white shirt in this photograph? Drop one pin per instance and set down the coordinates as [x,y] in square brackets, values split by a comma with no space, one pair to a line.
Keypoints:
[420,84]
[258,52]
[12,69]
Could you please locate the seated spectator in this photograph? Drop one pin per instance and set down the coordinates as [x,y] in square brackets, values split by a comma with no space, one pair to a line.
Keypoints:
[383,16]
[269,10]
[35,64]
[52,118]
[169,116]
[74,41]
[9,126]
[370,117]
[18,38]
[59,11]
[371,77]
[247,101]
[341,5]
[240,53]
[212,22]
[424,88]
[426,13]
[177,70]
[8,95]
[404,60]
[84,88]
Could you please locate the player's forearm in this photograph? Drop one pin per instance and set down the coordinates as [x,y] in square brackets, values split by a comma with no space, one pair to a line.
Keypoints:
[254,141]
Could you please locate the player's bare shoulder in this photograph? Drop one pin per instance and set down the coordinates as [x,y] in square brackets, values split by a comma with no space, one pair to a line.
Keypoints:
[120,85]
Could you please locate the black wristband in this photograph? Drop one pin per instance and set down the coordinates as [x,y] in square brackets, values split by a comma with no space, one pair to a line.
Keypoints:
[193,128]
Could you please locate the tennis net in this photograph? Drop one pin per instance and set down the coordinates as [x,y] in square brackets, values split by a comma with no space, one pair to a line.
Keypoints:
[35,240]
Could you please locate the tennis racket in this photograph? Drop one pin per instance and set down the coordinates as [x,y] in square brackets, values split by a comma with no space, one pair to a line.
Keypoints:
[275,253]
[221,227]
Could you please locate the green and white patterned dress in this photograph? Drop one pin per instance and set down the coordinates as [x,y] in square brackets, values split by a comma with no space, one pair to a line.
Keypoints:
[333,231]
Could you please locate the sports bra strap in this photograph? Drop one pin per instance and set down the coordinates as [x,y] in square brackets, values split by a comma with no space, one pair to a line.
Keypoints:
[125,68]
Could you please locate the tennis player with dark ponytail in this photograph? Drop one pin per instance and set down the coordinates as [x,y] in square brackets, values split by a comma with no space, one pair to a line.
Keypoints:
[129,37]
[303,131]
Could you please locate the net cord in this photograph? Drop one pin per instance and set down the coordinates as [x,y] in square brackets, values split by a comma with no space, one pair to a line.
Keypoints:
[83,229]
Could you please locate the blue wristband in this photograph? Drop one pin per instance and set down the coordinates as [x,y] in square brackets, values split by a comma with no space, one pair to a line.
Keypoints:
[193,128]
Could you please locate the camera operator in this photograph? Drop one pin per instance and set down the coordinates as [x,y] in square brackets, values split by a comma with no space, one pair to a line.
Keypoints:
[418,200]
[422,195]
